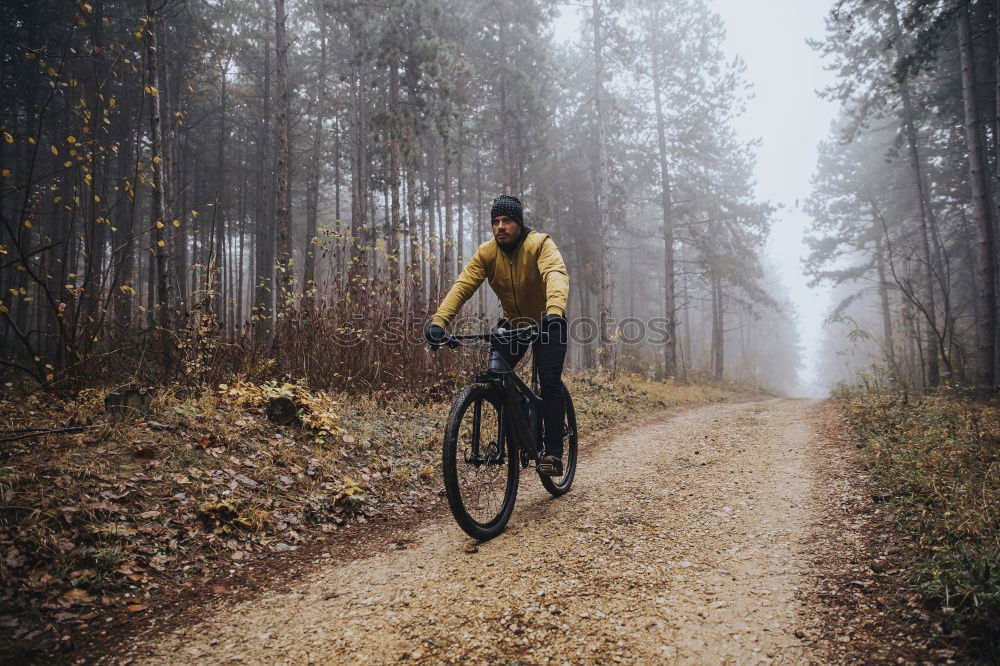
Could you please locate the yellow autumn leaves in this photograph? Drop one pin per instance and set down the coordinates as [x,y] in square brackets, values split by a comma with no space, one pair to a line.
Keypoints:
[318,409]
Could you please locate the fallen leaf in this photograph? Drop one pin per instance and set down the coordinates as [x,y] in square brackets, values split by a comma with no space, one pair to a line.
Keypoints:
[159,562]
[77,596]
[137,608]
[246,481]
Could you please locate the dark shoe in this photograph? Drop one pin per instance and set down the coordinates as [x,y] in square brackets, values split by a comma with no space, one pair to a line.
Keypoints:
[550,465]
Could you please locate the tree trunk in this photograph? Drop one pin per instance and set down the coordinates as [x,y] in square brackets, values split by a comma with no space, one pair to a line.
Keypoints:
[338,252]
[238,311]
[996,101]
[283,221]
[416,264]
[521,150]
[359,185]
[448,237]
[434,224]
[588,314]
[883,292]
[393,244]
[666,204]
[172,156]
[460,242]
[214,281]
[604,221]
[508,171]
[150,280]
[125,283]
[312,183]
[718,329]
[982,207]
[426,240]
[480,224]
[264,248]
[685,344]
[970,236]
[164,283]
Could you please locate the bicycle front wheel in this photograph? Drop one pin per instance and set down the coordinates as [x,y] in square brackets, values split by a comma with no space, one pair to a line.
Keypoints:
[480,471]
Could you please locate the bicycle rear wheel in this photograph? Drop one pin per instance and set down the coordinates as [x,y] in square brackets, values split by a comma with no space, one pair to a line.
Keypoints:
[480,472]
[560,485]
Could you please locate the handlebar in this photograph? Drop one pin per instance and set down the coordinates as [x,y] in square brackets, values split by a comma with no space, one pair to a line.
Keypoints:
[453,340]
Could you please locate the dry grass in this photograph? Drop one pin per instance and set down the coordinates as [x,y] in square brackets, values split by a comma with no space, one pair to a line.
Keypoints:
[938,458]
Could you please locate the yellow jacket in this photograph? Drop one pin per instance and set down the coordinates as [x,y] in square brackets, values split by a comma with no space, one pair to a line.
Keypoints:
[530,282]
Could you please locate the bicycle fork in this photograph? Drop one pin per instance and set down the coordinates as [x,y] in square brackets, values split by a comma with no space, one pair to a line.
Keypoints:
[513,417]
[474,457]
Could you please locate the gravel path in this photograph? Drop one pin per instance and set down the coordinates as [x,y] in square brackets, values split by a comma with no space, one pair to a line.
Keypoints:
[682,542]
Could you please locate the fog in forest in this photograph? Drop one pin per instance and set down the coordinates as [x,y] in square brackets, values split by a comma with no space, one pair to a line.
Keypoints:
[780,196]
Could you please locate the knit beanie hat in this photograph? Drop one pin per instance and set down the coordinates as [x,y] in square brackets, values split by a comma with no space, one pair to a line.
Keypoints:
[509,206]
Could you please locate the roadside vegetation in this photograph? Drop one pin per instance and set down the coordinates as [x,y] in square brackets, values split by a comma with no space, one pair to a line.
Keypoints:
[937,459]
[98,523]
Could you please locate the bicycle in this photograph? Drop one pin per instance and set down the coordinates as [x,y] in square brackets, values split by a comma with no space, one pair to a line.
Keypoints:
[493,431]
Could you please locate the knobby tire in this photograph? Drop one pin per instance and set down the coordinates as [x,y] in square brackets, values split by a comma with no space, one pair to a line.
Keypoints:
[465,482]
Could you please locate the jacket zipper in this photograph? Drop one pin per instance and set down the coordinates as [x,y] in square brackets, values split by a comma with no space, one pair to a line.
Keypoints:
[513,283]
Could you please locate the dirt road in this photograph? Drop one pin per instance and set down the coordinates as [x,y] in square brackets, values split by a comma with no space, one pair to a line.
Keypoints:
[683,541]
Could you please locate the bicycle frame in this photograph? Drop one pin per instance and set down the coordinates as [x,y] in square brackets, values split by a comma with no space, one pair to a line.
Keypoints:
[512,414]
[499,374]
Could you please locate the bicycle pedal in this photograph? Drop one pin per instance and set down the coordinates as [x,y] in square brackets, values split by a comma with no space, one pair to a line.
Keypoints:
[551,467]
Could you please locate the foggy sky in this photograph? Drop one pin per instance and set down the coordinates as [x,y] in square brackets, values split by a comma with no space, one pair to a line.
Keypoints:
[788,118]
[791,120]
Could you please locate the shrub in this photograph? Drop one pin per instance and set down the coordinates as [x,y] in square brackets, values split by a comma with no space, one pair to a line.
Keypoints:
[939,459]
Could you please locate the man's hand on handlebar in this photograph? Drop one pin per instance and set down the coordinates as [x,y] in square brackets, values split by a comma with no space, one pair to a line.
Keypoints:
[553,327]
[434,336]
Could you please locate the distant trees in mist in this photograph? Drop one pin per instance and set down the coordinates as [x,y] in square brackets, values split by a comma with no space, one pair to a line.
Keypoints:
[192,187]
[905,193]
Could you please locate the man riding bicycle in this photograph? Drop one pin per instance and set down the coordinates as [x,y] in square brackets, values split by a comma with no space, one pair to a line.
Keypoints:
[528,275]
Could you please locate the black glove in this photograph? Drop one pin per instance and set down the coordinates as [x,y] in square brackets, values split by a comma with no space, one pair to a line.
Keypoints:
[553,327]
[434,335]
[550,320]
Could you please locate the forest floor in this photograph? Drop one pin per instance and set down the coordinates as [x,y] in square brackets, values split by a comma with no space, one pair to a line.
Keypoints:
[737,532]
[115,527]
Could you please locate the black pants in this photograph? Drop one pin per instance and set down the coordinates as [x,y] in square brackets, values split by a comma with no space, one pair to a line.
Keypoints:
[550,352]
